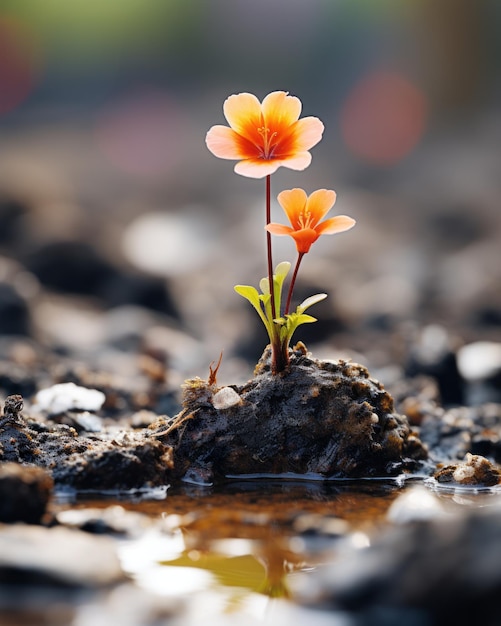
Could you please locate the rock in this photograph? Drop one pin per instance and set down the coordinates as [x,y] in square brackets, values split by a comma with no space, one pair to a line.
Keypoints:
[479,360]
[34,555]
[480,365]
[433,355]
[225,398]
[142,290]
[12,410]
[129,460]
[327,419]
[451,434]
[440,571]
[24,493]
[66,396]
[474,470]
[15,443]
[70,266]
[14,311]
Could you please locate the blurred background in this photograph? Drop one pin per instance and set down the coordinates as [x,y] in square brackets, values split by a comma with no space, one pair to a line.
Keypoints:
[120,233]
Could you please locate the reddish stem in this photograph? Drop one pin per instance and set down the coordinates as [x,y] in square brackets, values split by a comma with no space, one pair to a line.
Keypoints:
[293,282]
[268,246]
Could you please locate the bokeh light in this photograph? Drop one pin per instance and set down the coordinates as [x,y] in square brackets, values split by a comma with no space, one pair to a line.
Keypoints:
[142,134]
[383,118]
[20,63]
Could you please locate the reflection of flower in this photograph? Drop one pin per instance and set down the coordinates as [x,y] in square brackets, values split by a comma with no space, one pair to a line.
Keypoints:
[305,212]
[264,136]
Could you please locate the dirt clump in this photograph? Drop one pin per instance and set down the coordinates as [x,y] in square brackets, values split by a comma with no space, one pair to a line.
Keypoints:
[328,419]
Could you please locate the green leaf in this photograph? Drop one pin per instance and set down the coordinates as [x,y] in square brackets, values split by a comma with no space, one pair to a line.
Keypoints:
[281,270]
[251,294]
[305,319]
[264,285]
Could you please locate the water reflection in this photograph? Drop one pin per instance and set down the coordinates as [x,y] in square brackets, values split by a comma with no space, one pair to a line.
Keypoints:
[245,540]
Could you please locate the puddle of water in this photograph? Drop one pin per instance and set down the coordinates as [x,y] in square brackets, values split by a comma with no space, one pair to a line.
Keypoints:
[232,552]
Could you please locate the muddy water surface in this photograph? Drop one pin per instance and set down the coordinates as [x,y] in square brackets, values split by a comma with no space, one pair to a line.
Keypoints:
[240,551]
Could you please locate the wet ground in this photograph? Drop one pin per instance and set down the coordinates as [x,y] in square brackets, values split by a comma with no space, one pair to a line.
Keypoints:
[251,552]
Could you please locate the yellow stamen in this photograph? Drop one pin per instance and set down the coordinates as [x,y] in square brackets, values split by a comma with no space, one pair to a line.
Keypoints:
[305,219]
[267,149]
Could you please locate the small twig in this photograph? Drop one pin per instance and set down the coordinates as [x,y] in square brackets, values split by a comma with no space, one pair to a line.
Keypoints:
[212,380]
[176,423]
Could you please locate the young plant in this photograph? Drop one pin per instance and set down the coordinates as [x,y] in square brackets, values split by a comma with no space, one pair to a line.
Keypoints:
[263,137]
[281,329]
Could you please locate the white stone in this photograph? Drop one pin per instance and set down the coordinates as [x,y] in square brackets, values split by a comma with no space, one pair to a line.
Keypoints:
[67,396]
[479,360]
[225,398]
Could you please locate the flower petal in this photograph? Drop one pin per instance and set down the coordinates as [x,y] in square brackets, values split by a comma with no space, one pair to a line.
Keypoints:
[279,229]
[243,111]
[319,203]
[280,110]
[337,224]
[298,161]
[293,202]
[224,143]
[307,132]
[256,168]
[304,238]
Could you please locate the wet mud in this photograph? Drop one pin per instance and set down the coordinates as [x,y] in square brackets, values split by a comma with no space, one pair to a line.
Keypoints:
[329,420]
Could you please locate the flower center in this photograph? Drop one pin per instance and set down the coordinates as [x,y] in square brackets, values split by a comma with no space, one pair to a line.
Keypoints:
[268,146]
[305,219]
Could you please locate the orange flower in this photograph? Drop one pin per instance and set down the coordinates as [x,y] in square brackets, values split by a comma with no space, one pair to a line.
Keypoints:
[264,136]
[305,212]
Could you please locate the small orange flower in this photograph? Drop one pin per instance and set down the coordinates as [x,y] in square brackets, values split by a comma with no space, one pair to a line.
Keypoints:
[305,212]
[264,136]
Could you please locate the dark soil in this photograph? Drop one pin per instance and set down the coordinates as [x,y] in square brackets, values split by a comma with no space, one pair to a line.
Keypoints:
[327,419]
[330,420]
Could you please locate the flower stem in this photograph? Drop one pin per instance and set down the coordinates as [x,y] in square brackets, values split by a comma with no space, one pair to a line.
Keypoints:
[268,246]
[293,282]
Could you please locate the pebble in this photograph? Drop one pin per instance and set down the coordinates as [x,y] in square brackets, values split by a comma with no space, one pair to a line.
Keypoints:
[190,236]
[225,398]
[66,396]
[479,360]
[57,557]
[474,470]
[480,365]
